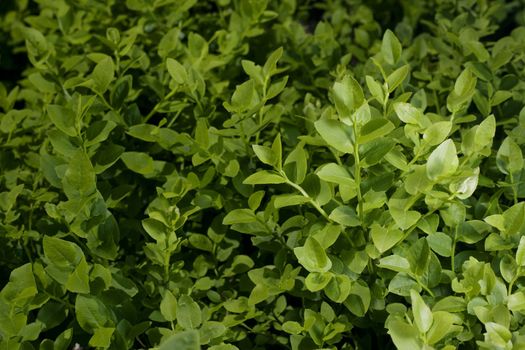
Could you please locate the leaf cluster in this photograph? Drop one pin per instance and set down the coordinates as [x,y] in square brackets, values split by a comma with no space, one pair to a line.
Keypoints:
[261,174]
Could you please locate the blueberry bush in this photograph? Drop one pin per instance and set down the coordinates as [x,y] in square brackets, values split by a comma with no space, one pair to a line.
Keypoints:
[262,174]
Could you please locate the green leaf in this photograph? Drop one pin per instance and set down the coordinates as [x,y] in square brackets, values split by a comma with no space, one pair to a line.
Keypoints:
[145,132]
[156,229]
[443,161]
[64,119]
[285,200]
[186,340]
[201,133]
[328,235]
[336,134]
[245,96]
[509,158]
[376,89]
[358,300]
[516,302]
[62,253]
[397,77]
[102,337]
[384,238]
[404,219]
[78,280]
[348,96]
[316,281]
[408,113]
[265,154]
[239,216]
[138,162]
[395,263]
[292,327]
[103,74]
[176,71]
[264,177]
[99,131]
[20,290]
[437,133]
[277,87]
[258,294]
[404,335]
[375,129]
[335,173]
[312,256]
[120,92]
[188,313]
[345,216]
[168,306]
[375,151]
[520,253]
[421,312]
[270,65]
[79,178]
[253,70]
[338,289]
[254,201]
[441,243]
[91,313]
[296,164]
[464,89]
[201,242]
[419,256]
[390,47]
[63,341]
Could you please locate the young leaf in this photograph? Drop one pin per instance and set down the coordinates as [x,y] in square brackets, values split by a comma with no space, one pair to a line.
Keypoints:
[384,239]
[91,313]
[264,177]
[421,312]
[186,340]
[408,113]
[138,162]
[63,118]
[509,158]
[397,77]
[335,173]
[348,96]
[336,134]
[168,306]
[390,47]
[285,200]
[103,74]
[443,161]
[312,256]
[188,313]
[177,71]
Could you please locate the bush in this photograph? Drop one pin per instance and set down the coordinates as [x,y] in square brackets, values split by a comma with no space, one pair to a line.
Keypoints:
[255,174]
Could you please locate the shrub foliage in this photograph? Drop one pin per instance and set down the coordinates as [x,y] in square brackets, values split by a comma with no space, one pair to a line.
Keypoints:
[262,174]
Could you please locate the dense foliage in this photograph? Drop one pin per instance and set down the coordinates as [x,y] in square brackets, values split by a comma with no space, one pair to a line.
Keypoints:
[262,174]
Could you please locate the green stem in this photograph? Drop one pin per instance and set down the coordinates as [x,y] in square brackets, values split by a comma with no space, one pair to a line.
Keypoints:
[514,188]
[167,257]
[514,279]
[337,158]
[157,106]
[357,174]
[312,201]
[425,288]
[453,253]
[65,302]
[438,107]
